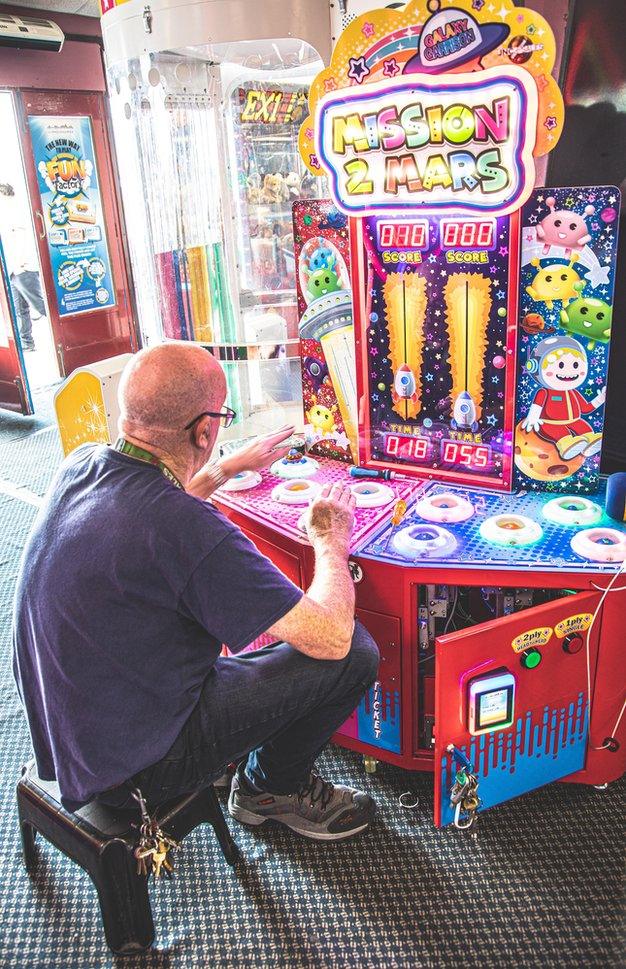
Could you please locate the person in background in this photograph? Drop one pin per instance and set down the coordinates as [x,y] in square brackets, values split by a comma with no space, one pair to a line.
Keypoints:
[129,584]
[21,257]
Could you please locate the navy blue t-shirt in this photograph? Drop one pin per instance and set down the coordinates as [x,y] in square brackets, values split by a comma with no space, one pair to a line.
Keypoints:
[128,587]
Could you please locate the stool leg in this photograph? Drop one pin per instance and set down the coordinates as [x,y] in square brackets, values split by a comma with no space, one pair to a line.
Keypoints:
[124,900]
[29,852]
[216,818]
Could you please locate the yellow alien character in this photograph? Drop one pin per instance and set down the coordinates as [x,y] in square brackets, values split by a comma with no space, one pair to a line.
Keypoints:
[557,281]
[322,419]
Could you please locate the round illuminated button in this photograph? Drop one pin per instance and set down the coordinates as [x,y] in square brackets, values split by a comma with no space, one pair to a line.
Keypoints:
[371,494]
[530,659]
[600,544]
[566,510]
[294,467]
[446,507]
[510,530]
[573,643]
[424,541]
[242,481]
[296,492]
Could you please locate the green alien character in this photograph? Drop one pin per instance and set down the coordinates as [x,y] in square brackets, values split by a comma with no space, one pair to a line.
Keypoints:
[588,317]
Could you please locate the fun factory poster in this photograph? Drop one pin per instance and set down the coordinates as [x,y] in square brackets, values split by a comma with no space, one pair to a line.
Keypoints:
[70,197]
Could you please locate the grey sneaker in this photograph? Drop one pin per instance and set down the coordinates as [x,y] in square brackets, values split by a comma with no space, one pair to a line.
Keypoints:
[318,810]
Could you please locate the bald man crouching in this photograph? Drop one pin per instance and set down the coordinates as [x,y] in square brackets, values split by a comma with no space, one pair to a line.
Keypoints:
[130,583]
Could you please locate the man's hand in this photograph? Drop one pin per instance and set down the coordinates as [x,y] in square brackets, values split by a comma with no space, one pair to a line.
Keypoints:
[258,454]
[330,517]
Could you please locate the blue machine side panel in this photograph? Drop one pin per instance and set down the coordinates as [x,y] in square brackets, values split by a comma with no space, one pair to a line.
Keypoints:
[378,716]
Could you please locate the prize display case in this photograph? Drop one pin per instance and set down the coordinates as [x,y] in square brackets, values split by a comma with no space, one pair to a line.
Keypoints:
[207,138]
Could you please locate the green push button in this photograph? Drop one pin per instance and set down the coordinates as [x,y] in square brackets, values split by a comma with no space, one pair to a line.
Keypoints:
[530,659]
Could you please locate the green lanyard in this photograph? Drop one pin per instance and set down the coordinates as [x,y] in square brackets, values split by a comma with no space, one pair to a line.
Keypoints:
[125,447]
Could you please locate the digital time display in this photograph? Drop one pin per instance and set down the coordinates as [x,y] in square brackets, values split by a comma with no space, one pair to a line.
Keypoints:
[408,234]
[474,234]
[407,448]
[474,456]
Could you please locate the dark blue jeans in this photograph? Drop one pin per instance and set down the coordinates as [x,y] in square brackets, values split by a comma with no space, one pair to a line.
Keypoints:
[27,294]
[277,706]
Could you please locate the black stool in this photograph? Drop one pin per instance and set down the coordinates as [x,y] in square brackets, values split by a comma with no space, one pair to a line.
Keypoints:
[101,840]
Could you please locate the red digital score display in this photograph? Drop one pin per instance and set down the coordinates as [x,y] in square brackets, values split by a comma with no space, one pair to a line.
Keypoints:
[467,235]
[407,448]
[474,456]
[412,234]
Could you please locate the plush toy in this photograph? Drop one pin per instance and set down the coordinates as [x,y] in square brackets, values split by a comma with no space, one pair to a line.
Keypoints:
[274,189]
[292,181]
[253,189]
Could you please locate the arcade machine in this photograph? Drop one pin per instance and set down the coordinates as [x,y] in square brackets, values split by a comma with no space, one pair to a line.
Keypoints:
[454,325]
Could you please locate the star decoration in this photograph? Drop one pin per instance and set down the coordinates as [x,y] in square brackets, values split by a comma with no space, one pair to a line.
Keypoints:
[550,123]
[504,251]
[309,133]
[478,4]
[314,161]
[492,420]
[390,67]
[502,12]
[368,29]
[308,220]
[330,84]
[358,69]
[532,219]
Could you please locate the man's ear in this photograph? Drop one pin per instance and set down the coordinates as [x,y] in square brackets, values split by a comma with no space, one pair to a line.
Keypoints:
[201,432]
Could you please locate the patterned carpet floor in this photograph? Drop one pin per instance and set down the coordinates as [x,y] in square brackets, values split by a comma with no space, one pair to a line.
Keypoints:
[540,883]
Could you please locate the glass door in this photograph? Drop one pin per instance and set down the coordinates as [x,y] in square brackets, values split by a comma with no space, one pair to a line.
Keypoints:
[14,389]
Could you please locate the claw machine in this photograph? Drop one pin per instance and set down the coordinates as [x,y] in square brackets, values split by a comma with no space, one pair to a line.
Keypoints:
[207,104]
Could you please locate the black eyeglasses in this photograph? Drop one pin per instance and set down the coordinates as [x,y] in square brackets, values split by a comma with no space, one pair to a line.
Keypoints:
[226,416]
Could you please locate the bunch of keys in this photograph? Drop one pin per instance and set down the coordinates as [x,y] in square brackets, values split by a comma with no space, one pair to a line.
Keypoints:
[464,794]
[154,845]
[464,798]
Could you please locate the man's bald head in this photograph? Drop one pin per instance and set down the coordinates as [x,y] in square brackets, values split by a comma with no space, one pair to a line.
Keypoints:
[163,388]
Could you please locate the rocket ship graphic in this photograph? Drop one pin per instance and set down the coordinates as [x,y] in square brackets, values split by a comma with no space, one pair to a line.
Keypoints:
[404,386]
[464,413]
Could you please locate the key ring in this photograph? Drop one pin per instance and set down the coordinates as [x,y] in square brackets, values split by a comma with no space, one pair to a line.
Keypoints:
[403,803]
[457,821]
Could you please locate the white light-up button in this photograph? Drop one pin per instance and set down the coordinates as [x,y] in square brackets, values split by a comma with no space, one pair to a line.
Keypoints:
[566,510]
[446,507]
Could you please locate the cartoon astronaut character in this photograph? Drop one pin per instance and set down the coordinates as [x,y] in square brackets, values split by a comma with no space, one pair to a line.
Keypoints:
[559,365]
[562,227]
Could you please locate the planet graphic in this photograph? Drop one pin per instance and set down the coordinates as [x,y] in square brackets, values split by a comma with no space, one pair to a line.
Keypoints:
[540,459]
[608,215]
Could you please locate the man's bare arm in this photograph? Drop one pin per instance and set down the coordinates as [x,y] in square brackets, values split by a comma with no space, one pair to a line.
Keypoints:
[321,624]
[258,454]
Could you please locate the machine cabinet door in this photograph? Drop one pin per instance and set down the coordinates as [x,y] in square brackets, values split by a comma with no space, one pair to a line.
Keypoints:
[512,696]
[377,719]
